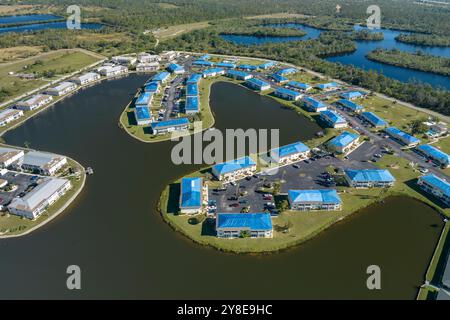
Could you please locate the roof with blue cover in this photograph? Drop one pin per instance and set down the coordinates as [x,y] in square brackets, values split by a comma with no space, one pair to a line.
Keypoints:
[247,67]
[435,153]
[344,139]
[299,85]
[174,67]
[288,92]
[370,175]
[226,65]
[194,78]
[320,196]
[191,193]
[286,71]
[143,99]
[238,73]
[252,221]
[314,103]
[212,71]
[142,113]
[203,63]
[192,90]
[234,165]
[350,105]
[205,57]
[332,116]
[290,149]
[257,82]
[162,76]
[437,182]
[328,85]
[374,119]
[351,95]
[170,123]
[152,86]
[399,133]
[192,103]
[278,77]
[266,65]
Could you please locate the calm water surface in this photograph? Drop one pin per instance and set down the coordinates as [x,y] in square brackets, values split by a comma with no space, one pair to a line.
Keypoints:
[125,250]
[49,25]
[28,18]
[358,58]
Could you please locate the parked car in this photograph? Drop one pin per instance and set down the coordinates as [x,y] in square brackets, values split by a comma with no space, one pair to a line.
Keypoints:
[234,205]
[296,166]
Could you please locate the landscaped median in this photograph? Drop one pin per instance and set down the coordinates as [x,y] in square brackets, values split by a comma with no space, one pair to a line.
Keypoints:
[291,228]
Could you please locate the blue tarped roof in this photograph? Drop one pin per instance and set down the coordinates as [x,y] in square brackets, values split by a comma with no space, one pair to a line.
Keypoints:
[321,196]
[373,118]
[344,139]
[399,133]
[234,165]
[368,175]
[170,123]
[435,153]
[287,150]
[437,182]
[333,116]
[299,85]
[350,105]
[252,221]
[191,191]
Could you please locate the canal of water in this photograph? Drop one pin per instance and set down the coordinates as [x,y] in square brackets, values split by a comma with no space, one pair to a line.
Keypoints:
[125,250]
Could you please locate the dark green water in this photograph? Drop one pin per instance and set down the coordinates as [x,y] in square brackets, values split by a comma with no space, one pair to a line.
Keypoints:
[125,250]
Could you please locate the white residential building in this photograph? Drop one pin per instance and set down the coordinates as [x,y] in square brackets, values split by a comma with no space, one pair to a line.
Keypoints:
[34,102]
[9,115]
[42,162]
[147,58]
[86,78]
[62,88]
[168,55]
[111,71]
[8,156]
[147,66]
[35,202]
[124,60]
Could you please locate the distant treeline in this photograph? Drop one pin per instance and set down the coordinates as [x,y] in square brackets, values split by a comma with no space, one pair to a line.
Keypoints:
[424,39]
[418,61]
[308,53]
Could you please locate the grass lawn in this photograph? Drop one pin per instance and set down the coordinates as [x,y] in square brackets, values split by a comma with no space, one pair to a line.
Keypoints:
[173,31]
[61,62]
[20,52]
[280,15]
[395,114]
[14,225]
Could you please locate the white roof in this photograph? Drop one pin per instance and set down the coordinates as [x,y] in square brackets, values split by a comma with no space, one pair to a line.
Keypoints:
[63,85]
[34,99]
[7,113]
[38,195]
[88,76]
[40,159]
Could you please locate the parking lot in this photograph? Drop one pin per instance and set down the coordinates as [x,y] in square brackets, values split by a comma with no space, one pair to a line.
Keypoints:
[24,182]
[300,175]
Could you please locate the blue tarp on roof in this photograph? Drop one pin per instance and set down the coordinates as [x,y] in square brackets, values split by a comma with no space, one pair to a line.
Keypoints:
[437,182]
[290,149]
[396,133]
[237,73]
[191,193]
[247,67]
[143,99]
[278,78]
[320,196]
[174,67]
[344,139]
[170,123]
[192,90]
[286,71]
[226,65]
[351,95]
[162,76]
[351,105]
[374,119]
[191,103]
[437,154]
[287,92]
[212,71]
[332,116]
[315,104]
[328,85]
[142,113]
[205,57]
[203,63]
[252,221]
[151,86]
[298,85]
[233,165]
[370,175]
[266,65]
[194,78]
[257,82]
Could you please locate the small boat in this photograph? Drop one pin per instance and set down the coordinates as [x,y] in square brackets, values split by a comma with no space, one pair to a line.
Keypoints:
[89,170]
